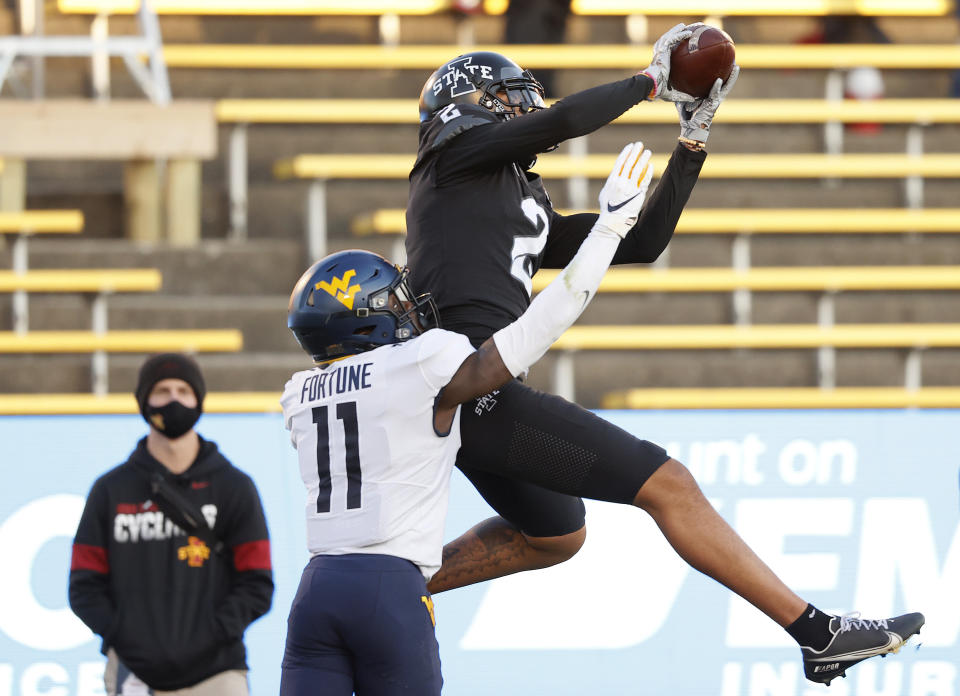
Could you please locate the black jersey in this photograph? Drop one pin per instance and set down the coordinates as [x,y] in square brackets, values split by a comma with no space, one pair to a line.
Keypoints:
[480,224]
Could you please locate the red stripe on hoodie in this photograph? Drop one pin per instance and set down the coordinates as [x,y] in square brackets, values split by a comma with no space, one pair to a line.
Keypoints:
[254,555]
[86,557]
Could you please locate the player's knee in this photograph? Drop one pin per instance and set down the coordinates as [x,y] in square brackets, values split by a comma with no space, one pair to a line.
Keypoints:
[557,549]
[681,479]
[668,485]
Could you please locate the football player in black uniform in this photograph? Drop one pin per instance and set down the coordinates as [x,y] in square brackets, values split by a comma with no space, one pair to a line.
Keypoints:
[479,225]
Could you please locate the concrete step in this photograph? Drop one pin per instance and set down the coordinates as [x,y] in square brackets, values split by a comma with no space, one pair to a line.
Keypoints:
[71,373]
[849,249]
[268,143]
[600,372]
[69,311]
[68,77]
[257,267]
[711,250]
[272,260]
[772,308]
[278,209]
[22,374]
[263,371]
[596,372]
[449,27]
[262,319]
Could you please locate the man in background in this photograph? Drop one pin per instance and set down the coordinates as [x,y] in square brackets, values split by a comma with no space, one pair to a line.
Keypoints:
[171,560]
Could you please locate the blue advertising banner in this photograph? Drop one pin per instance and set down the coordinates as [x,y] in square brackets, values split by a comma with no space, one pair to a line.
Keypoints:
[854,510]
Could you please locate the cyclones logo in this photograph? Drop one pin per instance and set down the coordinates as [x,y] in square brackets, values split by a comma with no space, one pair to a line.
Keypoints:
[194,553]
[456,77]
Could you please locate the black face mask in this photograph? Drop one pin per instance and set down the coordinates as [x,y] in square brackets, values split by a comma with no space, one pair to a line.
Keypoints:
[172,419]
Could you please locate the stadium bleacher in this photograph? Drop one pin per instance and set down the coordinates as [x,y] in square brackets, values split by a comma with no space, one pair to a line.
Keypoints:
[136,132]
[88,404]
[402,111]
[570,57]
[82,280]
[784,398]
[293,94]
[120,341]
[742,222]
[816,266]
[40,221]
[933,8]
[392,221]
[319,169]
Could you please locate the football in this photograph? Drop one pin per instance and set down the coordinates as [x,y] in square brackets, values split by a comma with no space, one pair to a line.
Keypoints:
[696,63]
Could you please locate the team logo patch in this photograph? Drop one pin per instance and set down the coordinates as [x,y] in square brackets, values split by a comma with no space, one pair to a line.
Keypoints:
[457,79]
[486,403]
[194,553]
[340,288]
[428,603]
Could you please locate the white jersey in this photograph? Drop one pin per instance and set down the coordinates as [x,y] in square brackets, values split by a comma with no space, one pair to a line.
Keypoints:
[377,473]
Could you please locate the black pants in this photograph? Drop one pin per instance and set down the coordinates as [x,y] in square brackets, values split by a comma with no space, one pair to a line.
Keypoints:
[533,455]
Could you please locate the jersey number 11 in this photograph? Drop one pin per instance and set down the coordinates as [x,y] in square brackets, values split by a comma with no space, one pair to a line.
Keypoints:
[347,413]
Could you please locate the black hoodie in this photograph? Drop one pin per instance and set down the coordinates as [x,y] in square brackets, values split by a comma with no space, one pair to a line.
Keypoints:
[172,608]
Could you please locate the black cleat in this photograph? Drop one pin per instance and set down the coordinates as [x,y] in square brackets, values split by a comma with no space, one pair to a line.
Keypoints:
[854,640]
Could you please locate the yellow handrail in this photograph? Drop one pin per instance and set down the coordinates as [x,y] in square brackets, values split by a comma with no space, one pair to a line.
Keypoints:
[717,166]
[750,220]
[822,278]
[38,221]
[74,404]
[581,7]
[678,398]
[121,341]
[783,398]
[560,56]
[760,336]
[921,111]
[82,280]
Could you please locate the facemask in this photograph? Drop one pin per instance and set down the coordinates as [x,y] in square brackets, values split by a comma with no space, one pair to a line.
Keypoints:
[173,419]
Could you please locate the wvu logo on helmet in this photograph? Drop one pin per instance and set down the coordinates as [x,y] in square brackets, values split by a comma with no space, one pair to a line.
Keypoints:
[340,288]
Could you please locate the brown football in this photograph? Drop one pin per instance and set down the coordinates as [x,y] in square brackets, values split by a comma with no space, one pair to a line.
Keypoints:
[697,62]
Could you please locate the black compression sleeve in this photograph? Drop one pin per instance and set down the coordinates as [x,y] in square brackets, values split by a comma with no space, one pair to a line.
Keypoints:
[497,144]
[658,219]
[654,229]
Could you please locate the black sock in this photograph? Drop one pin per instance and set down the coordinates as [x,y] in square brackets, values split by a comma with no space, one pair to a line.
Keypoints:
[812,629]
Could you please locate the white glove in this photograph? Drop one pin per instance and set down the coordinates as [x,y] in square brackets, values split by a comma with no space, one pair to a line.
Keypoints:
[659,68]
[696,117]
[621,198]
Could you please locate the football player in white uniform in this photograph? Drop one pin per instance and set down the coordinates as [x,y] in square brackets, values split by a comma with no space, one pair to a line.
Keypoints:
[376,428]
